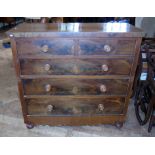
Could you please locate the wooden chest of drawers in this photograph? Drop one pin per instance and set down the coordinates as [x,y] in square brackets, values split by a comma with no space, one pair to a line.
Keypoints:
[75,74]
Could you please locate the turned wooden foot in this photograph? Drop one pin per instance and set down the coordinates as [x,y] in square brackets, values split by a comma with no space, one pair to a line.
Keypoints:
[30,126]
[119,125]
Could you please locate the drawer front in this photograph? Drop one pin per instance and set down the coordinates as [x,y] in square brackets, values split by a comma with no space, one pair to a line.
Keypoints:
[44,47]
[73,86]
[106,46]
[76,67]
[75,106]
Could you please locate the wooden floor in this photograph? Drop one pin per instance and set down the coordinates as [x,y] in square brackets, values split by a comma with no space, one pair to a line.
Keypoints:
[11,121]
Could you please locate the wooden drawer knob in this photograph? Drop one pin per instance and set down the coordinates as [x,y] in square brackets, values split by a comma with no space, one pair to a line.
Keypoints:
[44,48]
[48,88]
[75,90]
[101,107]
[47,67]
[105,68]
[103,88]
[50,108]
[107,48]
[79,49]
[72,49]
[75,69]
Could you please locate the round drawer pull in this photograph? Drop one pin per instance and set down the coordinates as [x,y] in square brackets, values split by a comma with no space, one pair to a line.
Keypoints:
[100,107]
[72,49]
[47,88]
[75,90]
[50,108]
[75,69]
[47,67]
[44,48]
[103,88]
[105,68]
[107,48]
[79,49]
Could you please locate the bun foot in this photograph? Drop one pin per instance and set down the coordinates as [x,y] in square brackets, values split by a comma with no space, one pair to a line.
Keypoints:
[30,126]
[119,125]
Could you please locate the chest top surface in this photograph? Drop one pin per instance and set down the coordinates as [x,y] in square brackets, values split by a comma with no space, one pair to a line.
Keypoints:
[76,29]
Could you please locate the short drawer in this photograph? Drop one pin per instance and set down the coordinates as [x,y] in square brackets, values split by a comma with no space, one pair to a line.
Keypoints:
[44,46]
[106,46]
[73,86]
[92,66]
[75,106]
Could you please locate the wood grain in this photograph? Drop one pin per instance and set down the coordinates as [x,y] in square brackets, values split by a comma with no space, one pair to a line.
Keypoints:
[76,120]
[76,66]
[75,87]
[96,46]
[34,46]
[76,30]
[74,106]
[62,71]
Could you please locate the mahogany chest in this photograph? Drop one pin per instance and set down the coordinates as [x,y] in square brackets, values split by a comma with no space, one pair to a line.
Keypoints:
[75,73]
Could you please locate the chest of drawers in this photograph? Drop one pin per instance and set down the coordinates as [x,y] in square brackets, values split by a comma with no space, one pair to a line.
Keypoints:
[75,74]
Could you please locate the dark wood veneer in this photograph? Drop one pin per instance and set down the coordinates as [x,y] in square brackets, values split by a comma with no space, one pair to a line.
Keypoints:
[75,86]
[75,74]
[75,66]
[75,106]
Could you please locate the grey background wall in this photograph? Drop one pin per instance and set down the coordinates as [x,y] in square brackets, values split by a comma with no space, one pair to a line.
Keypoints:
[147,24]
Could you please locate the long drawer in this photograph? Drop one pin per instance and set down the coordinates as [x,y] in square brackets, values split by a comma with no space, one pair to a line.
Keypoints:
[113,66]
[75,106]
[66,46]
[60,86]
